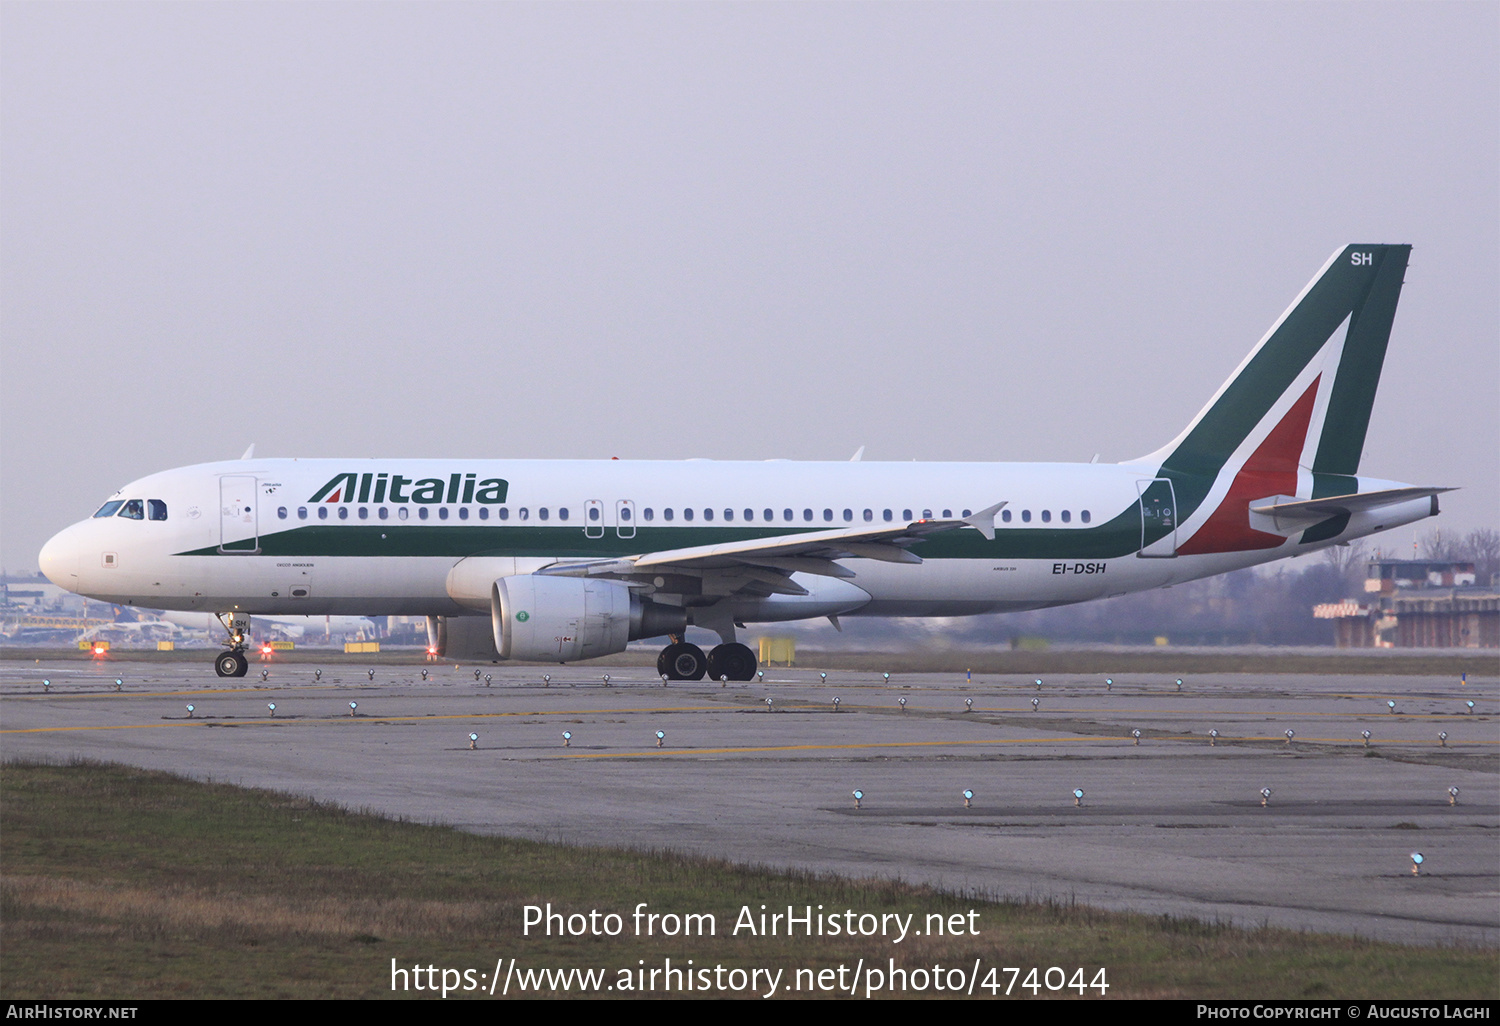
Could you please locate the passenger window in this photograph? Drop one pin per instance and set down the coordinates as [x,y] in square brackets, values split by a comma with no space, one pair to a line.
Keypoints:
[280,512]
[1025,516]
[869,515]
[927,514]
[463,513]
[322,512]
[542,513]
[728,515]
[906,515]
[1066,516]
[383,513]
[827,515]
[503,512]
[422,513]
[647,513]
[1046,516]
[301,512]
[750,514]
[947,514]
[1084,516]
[807,514]
[666,514]
[687,514]
[786,515]
[442,512]
[156,509]
[401,513]
[966,513]
[133,509]
[364,513]
[770,515]
[523,513]
[1005,515]
[343,512]
[562,514]
[109,509]
[484,512]
[887,516]
[708,514]
[594,513]
[848,515]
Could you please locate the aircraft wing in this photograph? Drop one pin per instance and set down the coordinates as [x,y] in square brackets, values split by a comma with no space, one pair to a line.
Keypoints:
[766,564]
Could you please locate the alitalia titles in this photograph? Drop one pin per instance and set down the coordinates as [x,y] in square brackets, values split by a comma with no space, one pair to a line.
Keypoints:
[396,488]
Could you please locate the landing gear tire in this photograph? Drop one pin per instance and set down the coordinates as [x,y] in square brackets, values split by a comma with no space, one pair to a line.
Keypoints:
[682,662]
[734,661]
[231,664]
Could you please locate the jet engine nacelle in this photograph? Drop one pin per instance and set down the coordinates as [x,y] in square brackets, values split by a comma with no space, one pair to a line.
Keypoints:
[466,638]
[563,619]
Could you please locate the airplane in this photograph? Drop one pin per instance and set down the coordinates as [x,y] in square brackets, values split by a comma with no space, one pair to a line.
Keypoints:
[136,631]
[291,627]
[559,561]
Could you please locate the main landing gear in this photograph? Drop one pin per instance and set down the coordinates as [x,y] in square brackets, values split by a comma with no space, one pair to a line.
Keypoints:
[232,662]
[684,661]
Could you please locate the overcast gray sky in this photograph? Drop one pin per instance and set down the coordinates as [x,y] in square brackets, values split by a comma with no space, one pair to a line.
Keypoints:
[974,232]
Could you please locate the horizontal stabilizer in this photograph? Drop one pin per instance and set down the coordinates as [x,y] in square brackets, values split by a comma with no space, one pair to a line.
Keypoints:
[1337,505]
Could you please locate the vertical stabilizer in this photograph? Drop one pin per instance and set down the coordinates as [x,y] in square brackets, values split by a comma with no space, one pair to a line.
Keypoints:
[1292,418]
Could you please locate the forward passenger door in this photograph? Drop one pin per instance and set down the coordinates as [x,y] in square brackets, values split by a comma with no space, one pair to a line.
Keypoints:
[238,527]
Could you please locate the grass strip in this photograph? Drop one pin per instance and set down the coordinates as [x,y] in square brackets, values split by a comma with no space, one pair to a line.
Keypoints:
[121,883]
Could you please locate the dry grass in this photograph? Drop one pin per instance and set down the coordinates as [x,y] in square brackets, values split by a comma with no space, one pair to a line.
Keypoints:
[189,910]
[123,883]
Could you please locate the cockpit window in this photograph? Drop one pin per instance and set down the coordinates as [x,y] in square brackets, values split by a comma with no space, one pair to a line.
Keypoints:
[134,509]
[109,508]
[156,509]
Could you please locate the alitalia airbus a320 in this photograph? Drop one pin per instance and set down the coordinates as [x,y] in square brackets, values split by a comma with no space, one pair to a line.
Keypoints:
[558,561]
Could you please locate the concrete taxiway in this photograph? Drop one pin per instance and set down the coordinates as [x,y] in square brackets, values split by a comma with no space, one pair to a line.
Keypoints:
[1171,822]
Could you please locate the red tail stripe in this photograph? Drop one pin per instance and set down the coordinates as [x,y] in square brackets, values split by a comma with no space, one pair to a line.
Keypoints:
[1270,470]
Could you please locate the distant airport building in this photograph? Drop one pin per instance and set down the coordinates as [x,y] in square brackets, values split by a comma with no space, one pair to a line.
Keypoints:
[1417,603]
[1388,576]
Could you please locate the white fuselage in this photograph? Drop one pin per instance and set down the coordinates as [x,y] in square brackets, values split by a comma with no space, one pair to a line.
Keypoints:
[426,537]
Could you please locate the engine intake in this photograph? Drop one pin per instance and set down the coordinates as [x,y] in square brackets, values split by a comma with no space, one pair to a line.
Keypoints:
[564,619]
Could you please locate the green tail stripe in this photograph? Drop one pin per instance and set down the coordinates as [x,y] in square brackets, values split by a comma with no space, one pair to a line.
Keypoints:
[1328,485]
[1348,417]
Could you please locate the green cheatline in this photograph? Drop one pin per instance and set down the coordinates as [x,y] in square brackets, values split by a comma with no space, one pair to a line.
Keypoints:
[1117,537]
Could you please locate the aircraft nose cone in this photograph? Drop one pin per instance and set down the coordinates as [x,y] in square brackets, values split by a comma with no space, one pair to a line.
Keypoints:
[59,559]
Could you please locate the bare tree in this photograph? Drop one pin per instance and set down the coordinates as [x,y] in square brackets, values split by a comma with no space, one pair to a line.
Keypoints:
[1347,561]
[1482,548]
[1438,547]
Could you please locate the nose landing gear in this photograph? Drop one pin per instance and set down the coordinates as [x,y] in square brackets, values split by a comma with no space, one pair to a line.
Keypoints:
[232,663]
